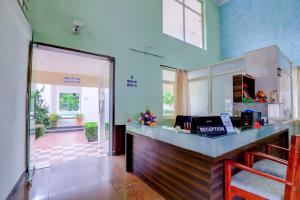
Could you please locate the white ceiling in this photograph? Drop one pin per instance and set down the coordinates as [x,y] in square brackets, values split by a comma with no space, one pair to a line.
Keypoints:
[58,61]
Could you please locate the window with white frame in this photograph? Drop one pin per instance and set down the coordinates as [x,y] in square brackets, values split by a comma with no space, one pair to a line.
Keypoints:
[184,20]
[69,102]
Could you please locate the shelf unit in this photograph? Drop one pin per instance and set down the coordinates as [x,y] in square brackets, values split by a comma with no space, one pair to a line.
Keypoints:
[238,89]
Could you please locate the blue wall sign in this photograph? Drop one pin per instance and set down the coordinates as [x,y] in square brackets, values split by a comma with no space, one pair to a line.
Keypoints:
[71,80]
[131,82]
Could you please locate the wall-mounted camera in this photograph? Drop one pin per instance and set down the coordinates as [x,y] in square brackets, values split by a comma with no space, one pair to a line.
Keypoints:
[77,25]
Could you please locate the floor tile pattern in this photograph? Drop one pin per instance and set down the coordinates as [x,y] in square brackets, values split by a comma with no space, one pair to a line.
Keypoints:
[45,157]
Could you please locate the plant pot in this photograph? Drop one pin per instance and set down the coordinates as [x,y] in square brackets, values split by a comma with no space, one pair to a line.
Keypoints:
[79,121]
[53,124]
[39,131]
[91,131]
[54,118]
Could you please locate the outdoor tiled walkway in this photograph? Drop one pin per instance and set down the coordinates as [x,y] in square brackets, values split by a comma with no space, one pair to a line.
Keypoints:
[43,155]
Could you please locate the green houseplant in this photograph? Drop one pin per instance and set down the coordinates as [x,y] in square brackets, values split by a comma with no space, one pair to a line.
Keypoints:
[39,130]
[107,128]
[91,131]
[79,119]
[54,118]
[41,112]
[41,109]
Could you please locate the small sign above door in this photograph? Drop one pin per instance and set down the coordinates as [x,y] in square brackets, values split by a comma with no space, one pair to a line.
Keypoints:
[71,80]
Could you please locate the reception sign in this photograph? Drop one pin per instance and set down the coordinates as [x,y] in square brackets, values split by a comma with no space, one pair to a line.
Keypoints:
[212,130]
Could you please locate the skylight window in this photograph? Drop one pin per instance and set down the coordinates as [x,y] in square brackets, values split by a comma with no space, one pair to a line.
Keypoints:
[183,19]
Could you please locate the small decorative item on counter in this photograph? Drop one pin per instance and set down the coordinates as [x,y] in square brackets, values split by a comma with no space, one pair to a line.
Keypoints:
[177,128]
[129,120]
[245,100]
[257,125]
[148,118]
[261,96]
[246,97]
[274,96]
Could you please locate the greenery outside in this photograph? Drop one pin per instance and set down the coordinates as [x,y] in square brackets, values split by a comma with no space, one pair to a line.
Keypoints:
[41,109]
[79,116]
[168,101]
[41,113]
[68,101]
[107,128]
[39,130]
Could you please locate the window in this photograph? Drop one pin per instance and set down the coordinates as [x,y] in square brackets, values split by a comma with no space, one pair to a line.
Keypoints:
[183,19]
[198,96]
[69,102]
[168,93]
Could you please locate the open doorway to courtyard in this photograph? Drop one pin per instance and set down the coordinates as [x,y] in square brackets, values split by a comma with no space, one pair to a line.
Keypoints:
[69,108]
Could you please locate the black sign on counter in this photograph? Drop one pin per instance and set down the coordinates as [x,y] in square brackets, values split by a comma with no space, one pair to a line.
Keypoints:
[212,131]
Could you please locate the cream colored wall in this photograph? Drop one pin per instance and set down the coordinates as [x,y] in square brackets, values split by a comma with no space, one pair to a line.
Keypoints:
[55,78]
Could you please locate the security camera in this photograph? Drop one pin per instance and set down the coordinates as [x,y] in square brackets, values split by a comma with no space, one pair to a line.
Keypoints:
[77,25]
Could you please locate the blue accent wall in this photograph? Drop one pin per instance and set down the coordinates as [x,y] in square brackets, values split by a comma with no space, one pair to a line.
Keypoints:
[251,24]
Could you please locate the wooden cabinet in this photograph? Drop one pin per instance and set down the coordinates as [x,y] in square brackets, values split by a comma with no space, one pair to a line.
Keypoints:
[243,87]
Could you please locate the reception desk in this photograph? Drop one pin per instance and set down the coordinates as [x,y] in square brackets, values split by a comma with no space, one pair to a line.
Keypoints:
[188,166]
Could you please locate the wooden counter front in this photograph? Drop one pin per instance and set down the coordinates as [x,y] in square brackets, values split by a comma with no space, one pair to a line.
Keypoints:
[177,173]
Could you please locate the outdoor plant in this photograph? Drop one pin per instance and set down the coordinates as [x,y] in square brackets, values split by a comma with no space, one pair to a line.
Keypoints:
[106,130]
[79,119]
[54,118]
[168,99]
[91,131]
[41,109]
[40,113]
[39,130]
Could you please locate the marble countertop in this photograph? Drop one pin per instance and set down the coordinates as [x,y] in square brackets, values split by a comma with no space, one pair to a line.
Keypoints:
[212,147]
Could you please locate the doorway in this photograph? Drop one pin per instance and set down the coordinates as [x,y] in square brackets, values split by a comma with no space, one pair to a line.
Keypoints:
[71,106]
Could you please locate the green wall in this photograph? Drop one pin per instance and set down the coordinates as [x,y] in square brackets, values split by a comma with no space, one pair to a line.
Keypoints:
[114,26]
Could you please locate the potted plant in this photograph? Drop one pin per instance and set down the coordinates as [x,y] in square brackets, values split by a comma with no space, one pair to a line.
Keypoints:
[91,131]
[41,109]
[39,130]
[53,118]
[79,119]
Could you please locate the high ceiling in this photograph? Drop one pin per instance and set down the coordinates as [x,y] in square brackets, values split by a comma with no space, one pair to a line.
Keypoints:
[63,62]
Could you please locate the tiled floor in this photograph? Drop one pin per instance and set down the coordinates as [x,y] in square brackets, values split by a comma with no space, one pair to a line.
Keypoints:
[87,179]
[55,139]
[52,149]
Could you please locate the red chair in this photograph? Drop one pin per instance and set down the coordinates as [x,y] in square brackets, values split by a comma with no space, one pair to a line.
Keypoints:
[268,164]
[269,148]
[250,183]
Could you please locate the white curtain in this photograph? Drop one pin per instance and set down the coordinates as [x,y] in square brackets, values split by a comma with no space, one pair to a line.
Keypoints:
[181,93]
